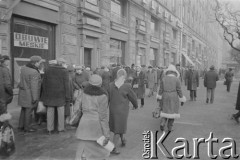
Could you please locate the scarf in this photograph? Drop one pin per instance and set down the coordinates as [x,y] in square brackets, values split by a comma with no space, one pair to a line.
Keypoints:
[30,65]
[119,82]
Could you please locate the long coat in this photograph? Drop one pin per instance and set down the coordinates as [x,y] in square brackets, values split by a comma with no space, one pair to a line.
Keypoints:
[238,98]
[170,91]
[106,77]
[29,87]
[140,81]
[56,88]
[2,94]
[192,80]
[229,76]
[152,78]
[119,106]
[95,118]
[7,79]
[210,79]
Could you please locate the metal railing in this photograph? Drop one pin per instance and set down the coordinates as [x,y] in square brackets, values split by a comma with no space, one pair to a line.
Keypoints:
[118,18]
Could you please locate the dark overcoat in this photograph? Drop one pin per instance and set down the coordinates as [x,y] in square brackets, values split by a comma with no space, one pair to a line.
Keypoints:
[238,98]
[192,80]
[2,94]
[29,87]
[119,106]
[140,81]
[7,79]
[56,88]
[210,79]
[106,77]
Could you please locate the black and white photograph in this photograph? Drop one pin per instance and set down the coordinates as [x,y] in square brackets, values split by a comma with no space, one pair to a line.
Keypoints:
[119,79]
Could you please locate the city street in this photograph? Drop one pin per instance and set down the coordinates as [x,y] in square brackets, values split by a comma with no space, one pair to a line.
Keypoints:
[197,121]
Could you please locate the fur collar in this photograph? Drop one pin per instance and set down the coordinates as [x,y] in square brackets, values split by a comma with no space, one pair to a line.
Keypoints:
[30,65]
[94,90]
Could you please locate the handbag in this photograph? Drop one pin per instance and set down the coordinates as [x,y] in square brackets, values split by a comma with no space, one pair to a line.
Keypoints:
[109,146]
[41,109]
[76,112]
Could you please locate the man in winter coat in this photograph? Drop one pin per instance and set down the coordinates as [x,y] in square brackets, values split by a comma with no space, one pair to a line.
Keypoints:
[7,79]
[192,82]
[152,80]
[237,115]
[29,91]
[229,78]
[210,82]
[56,93]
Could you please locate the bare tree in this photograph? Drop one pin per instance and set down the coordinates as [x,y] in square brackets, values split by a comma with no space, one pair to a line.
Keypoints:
[229,20]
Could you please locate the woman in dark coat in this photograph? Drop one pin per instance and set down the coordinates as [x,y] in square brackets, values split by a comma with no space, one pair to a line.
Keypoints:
[120,94]
[139,85]
[237,115]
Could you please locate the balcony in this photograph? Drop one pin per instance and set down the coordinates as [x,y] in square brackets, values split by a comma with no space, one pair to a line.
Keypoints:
[89,8]
[118,19]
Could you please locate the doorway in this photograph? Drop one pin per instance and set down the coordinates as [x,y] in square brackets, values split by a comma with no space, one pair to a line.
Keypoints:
[88,57]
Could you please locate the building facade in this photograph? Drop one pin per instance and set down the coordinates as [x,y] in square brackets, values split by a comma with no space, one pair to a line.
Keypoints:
[98,33]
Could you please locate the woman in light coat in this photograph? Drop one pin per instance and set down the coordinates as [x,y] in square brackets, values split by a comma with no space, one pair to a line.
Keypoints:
[94,121]
[170,93]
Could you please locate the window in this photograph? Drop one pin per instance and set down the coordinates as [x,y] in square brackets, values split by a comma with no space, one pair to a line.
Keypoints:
[184,41]
[174,34]
[116,7]
[154,25]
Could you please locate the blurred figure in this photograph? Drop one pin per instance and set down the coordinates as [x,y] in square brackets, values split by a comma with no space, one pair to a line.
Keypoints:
[81,77]
[229,78]
[120,95]
[192,82]
[139,84]
[179,71]
[210,82]
[152,80]
[94,122]
[56,93]
[29,92]
[7,79]
[237,115]
[106,79]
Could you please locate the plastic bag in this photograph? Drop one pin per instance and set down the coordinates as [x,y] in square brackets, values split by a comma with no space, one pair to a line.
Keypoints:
[7,140]
[41,109]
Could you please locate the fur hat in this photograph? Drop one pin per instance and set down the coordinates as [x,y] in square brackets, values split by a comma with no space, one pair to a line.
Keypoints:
[95,80]
[172,68]
[36,59]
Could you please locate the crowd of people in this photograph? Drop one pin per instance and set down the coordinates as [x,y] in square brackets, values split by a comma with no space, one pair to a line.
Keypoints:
[105,96]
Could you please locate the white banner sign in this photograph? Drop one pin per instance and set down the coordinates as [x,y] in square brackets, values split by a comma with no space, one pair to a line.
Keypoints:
[30,41]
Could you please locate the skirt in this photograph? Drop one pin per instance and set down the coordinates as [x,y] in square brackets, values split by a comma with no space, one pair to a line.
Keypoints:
[91,150]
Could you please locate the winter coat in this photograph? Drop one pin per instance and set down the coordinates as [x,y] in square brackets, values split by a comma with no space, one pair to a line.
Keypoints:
[192,80]
[170,92]
[152,78]
[119,106]
[56,86]
[238,98]
[210,79]
[114,73]
[29,86]
[3,107]
[106,80]
[229,76]
[95,109]
[140,81]
[7,79]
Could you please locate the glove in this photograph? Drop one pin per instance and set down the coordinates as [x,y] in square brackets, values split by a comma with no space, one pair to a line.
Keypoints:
[35,103]
[105,142]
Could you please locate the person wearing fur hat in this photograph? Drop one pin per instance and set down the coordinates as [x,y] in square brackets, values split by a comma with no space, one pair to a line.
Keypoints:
[170,93]
[94,121]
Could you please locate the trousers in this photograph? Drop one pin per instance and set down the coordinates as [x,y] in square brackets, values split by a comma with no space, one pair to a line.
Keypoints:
[51,117]
[210,94]
[25,118]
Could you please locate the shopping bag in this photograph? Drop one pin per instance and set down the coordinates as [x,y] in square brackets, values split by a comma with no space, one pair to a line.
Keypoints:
[7,140]
[75,94]
[41,109]
[156,113]
[135,86]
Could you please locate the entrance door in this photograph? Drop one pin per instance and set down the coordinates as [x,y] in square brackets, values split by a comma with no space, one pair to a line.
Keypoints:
[87,57]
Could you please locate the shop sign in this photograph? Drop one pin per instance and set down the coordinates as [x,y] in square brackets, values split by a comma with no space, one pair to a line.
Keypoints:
[30,41]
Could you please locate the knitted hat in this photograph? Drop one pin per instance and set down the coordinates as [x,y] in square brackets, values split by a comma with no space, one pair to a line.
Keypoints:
[52,62]
[212,67]
[78,67]
[95,80]
[5,57]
